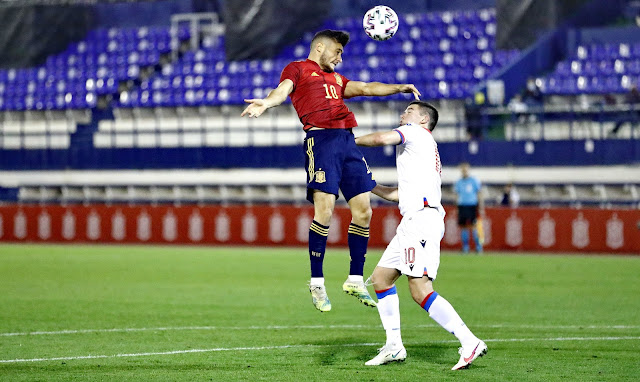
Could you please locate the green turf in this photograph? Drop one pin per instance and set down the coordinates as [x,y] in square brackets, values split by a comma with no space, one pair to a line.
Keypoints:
[246,314]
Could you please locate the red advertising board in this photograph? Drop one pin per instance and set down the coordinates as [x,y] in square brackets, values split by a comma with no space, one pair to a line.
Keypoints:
[519,229]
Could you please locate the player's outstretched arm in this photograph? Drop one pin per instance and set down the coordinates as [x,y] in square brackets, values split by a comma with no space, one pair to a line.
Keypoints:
[382,138]
[275,97]
[386,192]
[359,88]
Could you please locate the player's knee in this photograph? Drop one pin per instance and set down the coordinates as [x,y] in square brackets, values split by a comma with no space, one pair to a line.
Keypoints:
[362,216]
[323,215]
[380,283]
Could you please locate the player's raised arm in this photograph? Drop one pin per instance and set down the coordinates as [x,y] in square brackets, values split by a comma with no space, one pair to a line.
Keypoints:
[275,97]
[359,88]
[379,139]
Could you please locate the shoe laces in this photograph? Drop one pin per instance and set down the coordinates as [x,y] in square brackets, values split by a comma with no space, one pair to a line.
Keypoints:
[382,349]
[319,290]
[315,287]
[368,282]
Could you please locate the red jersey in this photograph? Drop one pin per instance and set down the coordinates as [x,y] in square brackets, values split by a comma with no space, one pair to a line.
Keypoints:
[317,96]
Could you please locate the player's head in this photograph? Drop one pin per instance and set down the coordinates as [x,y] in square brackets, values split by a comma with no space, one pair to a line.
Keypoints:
[420,113]
[464,168]
[327,47]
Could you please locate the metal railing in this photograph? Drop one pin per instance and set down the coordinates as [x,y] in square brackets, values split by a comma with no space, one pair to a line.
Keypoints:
[200,25]
[603,121]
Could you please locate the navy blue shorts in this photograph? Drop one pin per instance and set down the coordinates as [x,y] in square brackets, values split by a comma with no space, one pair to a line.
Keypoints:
[334,161]
[467,215]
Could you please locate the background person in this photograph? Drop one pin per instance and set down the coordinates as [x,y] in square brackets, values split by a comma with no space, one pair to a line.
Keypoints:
[470,206]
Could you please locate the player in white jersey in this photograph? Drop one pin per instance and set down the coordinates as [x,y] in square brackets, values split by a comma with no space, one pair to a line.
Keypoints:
[415,249]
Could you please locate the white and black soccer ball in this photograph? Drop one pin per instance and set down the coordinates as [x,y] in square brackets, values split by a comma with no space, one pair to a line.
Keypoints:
[380,23]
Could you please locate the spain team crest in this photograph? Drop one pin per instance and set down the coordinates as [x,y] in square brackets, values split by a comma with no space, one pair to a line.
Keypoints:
[320,177]
[338,79]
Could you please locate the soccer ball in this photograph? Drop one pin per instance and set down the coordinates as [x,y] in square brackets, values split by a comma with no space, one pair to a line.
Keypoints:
[380,23]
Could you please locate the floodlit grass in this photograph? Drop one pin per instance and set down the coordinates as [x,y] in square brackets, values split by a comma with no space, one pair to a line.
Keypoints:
[223,314]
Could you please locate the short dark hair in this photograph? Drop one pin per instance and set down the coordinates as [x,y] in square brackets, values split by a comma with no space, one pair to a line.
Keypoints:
[341,37]
[427,108]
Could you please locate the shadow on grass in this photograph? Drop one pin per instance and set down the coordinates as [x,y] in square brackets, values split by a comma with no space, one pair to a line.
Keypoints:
[338,352]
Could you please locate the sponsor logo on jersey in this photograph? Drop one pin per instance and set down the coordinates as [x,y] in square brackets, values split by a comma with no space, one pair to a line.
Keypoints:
[423,242]
[314,74]
[338,79]
[411,266]
[320,177]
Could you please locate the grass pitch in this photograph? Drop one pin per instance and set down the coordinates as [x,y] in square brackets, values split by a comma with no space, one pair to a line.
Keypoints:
[114,313]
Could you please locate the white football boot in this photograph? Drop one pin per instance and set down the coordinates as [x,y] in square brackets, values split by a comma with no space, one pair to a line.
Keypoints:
[359,290]
[388,354]
[470,354]
[319,298]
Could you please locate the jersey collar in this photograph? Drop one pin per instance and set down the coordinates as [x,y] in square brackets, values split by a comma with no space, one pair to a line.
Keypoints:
[413,124]
[315,63]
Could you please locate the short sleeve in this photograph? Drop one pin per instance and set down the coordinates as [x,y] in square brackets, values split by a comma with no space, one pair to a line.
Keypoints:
[345,81]
[291,72]
[406,133]
[402,138]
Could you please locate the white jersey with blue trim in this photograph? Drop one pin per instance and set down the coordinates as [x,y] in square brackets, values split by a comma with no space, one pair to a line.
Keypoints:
[419,170]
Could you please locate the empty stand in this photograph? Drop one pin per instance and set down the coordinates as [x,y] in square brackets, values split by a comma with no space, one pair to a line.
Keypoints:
[88,69]
[165,100]
[596,69]
[186,105]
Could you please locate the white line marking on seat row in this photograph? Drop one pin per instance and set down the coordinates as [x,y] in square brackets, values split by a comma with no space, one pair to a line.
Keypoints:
[174,352]
[294,327]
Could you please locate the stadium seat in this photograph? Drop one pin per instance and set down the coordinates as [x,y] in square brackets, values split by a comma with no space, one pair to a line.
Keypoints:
[131,66]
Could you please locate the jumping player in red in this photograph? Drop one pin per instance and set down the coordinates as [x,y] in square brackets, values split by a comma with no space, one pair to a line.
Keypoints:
[333,161]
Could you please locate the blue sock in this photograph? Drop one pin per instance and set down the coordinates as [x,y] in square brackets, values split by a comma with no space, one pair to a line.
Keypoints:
[358,239]
[476,240]
[465,240]
[317,245]
[386,292]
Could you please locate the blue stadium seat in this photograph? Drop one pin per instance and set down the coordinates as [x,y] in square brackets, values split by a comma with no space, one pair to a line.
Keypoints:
[633,67]
[605,68]
[462,42]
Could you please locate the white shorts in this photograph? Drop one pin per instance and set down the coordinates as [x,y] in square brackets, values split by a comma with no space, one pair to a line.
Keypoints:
[415,249]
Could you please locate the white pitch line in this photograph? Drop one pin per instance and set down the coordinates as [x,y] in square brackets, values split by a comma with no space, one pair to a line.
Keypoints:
[294,327]
[152,353]
[562,339]
[173,352]
[117,330]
